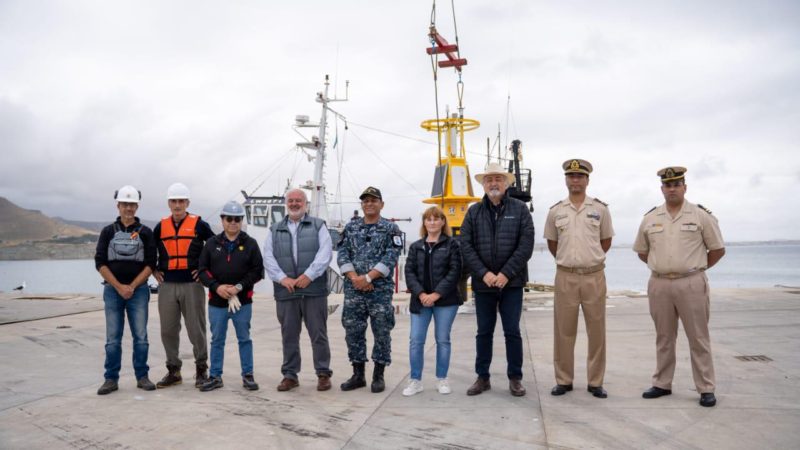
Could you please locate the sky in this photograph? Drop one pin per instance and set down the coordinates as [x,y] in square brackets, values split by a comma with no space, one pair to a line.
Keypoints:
[99,94]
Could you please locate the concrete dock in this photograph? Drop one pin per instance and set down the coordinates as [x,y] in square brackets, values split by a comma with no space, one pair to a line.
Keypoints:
[52,348]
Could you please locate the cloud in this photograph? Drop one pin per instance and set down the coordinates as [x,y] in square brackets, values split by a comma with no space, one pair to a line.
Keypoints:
[94,96]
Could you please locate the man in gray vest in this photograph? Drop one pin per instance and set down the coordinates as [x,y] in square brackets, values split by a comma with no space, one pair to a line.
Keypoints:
[296,255]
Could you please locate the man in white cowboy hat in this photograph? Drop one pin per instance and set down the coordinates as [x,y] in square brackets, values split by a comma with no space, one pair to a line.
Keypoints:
[497,242]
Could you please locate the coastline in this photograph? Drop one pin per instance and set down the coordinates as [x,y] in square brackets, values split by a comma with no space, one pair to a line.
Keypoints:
[61,249]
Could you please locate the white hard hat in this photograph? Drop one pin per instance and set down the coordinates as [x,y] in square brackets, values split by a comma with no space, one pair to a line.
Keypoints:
[127,194]
[177,191]
[232,209]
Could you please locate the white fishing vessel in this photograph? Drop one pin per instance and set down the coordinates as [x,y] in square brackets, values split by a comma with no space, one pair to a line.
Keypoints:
[262,211]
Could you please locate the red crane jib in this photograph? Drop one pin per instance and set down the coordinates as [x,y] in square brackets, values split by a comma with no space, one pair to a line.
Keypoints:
[442,46]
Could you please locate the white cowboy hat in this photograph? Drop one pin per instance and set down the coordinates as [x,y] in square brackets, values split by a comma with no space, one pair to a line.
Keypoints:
[495,169]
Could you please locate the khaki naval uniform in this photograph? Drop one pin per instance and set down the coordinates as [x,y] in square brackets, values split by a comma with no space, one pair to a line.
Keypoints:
[677,250]
[580,283]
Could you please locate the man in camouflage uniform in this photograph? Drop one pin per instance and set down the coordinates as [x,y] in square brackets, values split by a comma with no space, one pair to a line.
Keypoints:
[367,255]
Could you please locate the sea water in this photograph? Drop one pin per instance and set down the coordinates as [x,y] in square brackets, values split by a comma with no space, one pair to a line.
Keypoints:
[743,266]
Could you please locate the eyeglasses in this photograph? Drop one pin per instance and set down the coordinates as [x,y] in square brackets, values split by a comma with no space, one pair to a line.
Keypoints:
[230,219]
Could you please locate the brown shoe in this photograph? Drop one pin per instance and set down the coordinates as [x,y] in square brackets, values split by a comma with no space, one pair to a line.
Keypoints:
[287,384]
[323,382]
[516,388]
[480,385]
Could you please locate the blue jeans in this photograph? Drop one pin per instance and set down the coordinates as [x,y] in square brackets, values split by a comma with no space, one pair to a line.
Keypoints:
[137,309]
[218,319]
[509,303]
[443,317]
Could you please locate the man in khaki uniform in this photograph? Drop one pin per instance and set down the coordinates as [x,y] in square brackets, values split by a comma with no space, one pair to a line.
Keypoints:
[578,232]
[679,241]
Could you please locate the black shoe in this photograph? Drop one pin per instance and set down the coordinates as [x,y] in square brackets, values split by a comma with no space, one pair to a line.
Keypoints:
[249,383]
[145,383]
[211,384]
[597,391]
[378,385]
[655,392]
[108,387]
[480,385]
[561,389]
[201,376]
[172,378]
[708,399]
[357,380]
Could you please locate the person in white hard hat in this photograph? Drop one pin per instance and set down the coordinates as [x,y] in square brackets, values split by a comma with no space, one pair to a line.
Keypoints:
[230,266]
[180,238]
[125,258]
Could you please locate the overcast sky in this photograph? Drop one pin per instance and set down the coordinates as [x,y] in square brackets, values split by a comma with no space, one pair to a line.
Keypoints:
[98,94]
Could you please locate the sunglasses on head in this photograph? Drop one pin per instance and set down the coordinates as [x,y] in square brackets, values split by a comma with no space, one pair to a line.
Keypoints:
[230,219]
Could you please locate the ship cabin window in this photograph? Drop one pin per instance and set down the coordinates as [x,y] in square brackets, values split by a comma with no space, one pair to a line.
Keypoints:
[259,216]
[278,212]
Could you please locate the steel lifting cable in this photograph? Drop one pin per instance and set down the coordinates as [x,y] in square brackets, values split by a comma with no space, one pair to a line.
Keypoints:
[435,66]
[459,84]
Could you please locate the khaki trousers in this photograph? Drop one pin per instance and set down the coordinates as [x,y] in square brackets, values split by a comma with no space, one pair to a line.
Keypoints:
[189,300]
[685,298]
[587,292]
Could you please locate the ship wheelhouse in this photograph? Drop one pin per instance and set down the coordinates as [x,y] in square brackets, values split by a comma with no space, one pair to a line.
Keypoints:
[262,212]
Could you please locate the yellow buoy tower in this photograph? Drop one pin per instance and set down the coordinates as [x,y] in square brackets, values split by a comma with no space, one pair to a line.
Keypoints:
[452,188]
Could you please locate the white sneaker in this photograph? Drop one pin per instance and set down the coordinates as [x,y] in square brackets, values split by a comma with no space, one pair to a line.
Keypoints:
[414,387]
[444,386]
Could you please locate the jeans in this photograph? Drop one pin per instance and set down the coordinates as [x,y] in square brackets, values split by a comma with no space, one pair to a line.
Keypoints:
[218,319]
[443,317]
[509,303]
[137,308]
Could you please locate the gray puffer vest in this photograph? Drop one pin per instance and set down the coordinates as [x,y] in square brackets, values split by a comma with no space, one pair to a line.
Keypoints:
[307,247]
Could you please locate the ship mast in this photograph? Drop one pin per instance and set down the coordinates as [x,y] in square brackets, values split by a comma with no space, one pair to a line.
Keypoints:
[319,202]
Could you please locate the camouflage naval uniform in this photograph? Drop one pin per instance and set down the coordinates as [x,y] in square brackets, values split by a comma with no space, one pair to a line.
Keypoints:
[364,247]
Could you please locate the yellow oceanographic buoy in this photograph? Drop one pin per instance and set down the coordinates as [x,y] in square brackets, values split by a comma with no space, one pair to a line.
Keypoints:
[452,188]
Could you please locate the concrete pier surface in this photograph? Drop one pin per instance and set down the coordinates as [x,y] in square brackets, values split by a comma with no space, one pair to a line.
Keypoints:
[52,352]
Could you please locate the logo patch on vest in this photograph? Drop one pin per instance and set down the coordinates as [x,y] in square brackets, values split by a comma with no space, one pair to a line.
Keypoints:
[397,241]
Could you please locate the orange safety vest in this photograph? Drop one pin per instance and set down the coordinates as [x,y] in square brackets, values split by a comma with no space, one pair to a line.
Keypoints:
[177,242]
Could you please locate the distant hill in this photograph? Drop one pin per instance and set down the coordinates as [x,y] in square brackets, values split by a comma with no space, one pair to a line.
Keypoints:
[94,226]
[98,226]
[18,225]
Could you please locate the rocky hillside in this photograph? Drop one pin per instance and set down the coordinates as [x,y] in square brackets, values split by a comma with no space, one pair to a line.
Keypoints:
[29,234]
[19,225]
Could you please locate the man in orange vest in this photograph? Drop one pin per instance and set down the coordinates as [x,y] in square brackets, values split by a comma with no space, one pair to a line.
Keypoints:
[180,238]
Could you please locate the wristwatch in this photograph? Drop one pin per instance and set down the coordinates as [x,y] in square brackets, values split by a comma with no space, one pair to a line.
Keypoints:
[368,278]
[239,287]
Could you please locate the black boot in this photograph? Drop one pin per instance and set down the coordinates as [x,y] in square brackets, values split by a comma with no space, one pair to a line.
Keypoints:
[172,378]
[201,376]
[357,380]
[377,378]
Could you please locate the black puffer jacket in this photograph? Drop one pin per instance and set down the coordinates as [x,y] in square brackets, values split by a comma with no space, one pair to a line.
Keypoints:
[219,266]
[502,245]
[445,270]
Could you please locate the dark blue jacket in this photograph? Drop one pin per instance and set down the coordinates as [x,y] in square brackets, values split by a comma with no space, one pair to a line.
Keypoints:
[497,240]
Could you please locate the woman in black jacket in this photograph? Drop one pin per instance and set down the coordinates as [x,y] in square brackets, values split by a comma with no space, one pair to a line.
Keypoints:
[432,272]
[230,265]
